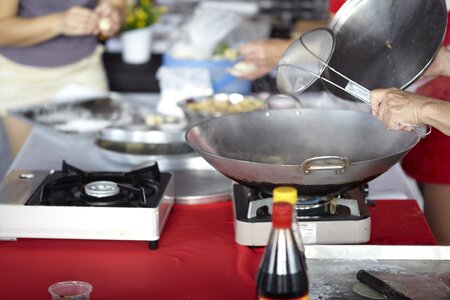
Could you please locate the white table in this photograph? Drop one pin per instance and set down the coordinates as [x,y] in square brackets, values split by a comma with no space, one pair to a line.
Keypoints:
[46,149]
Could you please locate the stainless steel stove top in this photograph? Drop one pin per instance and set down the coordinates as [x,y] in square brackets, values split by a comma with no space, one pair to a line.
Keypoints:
[75,204]
[339,219]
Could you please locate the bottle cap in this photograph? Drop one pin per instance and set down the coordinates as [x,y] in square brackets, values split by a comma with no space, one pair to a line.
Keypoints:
[285,194]
[282,215]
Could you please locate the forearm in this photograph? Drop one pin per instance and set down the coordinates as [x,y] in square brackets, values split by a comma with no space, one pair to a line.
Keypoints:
[436,113]
[446,59]
[120,4]
[20,32]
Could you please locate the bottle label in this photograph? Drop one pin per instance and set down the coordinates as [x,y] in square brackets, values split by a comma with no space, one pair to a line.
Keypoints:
[306,297]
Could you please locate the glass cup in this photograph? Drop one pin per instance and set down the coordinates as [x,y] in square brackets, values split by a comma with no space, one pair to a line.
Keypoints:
[70,290]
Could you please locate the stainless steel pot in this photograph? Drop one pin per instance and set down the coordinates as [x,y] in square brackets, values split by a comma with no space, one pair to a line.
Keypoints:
[319,151]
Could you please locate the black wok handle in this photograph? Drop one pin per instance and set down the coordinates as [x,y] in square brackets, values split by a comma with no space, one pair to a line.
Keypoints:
[380,286]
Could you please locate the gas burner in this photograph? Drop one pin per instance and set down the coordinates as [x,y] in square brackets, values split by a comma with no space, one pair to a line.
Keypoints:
[130,205]
[315,206]
[330,219]
[75,187]
[307,206]
[101,189]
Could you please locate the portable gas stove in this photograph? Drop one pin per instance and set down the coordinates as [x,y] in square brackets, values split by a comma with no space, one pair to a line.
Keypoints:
[334,219]
[76,204]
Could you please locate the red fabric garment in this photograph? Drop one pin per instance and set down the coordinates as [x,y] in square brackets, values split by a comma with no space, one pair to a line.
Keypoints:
[334,5]
[429,160]
[197,259]
[447,34]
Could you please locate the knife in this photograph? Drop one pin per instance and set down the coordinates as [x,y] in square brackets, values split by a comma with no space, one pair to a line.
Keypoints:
[380,286]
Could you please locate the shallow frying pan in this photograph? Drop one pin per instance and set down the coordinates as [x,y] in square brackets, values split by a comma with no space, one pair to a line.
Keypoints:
[319,151]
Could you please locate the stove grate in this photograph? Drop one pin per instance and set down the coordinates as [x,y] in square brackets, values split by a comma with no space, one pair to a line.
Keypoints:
[68,187]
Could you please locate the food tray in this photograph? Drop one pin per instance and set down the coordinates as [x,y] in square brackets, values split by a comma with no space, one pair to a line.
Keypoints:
[76,117]
[89,116]
[220,104]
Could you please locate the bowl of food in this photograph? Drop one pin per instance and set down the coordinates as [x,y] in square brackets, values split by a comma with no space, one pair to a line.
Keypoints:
[198,109]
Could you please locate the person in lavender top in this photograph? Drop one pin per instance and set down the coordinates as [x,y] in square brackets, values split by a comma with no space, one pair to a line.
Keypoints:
[47,45]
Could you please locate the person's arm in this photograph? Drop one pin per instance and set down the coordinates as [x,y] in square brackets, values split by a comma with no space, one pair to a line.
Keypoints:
[263,54]
[20,32]
[111,14]
[436,113]
[398,110]
[120,4]
[440,65]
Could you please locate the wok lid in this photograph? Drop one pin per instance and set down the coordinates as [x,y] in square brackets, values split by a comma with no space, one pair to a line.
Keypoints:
[385,43]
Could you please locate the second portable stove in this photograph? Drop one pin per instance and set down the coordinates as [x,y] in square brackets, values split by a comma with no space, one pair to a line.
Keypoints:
[75,204]
[333,219]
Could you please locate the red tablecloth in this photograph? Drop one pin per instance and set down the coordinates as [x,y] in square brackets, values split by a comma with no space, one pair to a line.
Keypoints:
[197,257]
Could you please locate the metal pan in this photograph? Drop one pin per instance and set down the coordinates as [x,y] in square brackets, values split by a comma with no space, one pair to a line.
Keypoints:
[143,142]
[319,151]
[388,43]
[196,182]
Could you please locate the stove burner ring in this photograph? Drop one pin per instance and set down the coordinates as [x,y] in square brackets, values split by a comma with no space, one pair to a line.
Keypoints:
[101,189]
[320,205]
[305,202]
[310,205]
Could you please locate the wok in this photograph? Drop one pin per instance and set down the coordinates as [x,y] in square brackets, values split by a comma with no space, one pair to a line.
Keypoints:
[318,151]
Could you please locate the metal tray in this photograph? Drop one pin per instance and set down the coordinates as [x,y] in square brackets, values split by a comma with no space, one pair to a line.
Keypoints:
[84,116]
[143,141]
[89,116]
[196,181]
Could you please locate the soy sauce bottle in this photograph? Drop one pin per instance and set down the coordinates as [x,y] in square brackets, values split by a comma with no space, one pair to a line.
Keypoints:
[289,194]
[282,271]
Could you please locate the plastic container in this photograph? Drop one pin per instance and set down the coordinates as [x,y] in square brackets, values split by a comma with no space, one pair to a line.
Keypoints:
[137,45]
[222,81]
[70,290]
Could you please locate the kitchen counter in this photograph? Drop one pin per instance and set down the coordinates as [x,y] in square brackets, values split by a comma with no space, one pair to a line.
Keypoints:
[45,149]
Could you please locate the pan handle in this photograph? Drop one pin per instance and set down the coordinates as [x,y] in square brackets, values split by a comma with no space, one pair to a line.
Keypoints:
[322,163]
